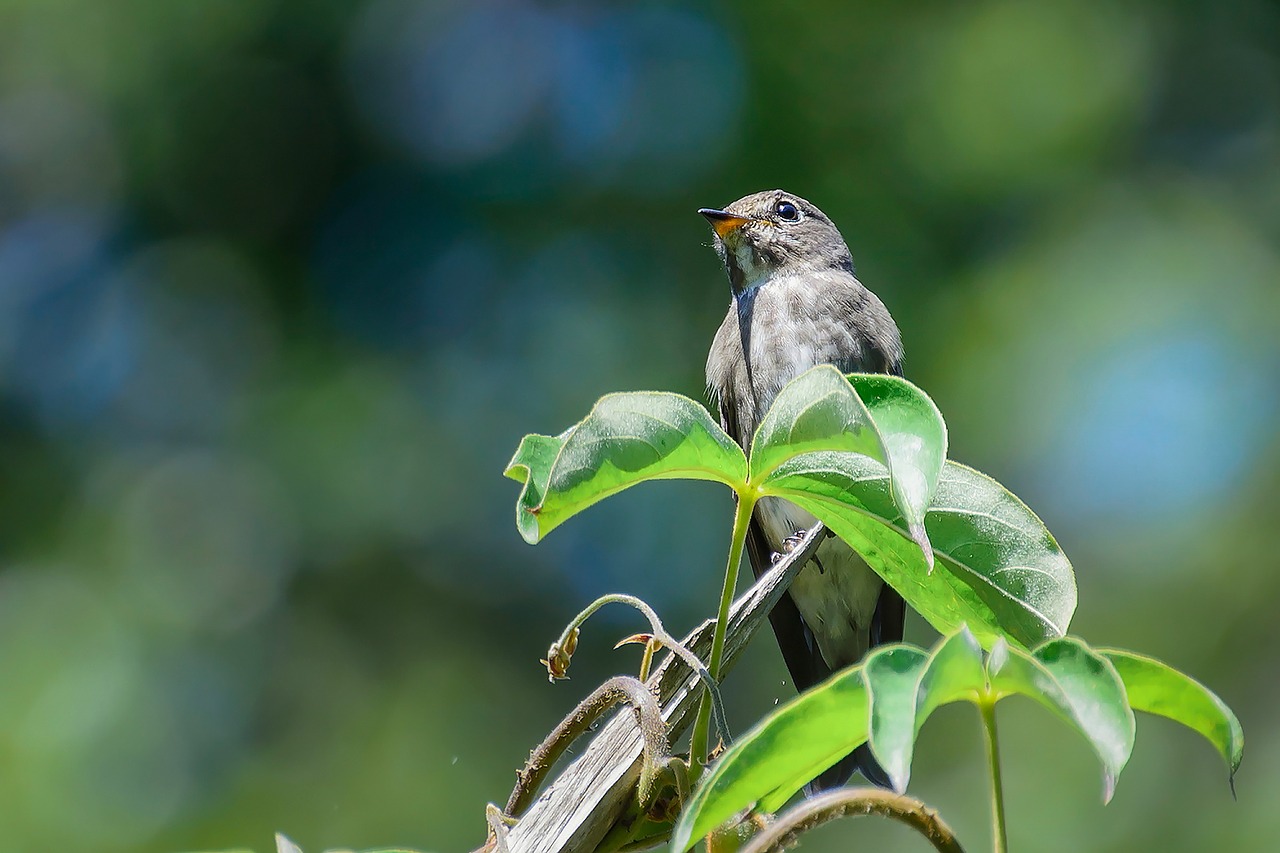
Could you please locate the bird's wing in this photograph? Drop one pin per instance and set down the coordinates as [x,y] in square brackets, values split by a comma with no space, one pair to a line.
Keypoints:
[888,619]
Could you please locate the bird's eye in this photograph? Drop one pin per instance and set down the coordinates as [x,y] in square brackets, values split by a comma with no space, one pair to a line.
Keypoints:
[787,211]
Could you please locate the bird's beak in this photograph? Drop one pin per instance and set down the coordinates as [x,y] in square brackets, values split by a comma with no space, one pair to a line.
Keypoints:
[723,221]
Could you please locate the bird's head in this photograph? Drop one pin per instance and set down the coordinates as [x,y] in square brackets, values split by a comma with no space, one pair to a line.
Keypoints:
[773,232]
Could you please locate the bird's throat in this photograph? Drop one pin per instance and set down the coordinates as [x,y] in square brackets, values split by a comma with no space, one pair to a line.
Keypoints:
[747,269]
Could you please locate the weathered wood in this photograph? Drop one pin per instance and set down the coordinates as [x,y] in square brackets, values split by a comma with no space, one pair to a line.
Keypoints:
[575,811]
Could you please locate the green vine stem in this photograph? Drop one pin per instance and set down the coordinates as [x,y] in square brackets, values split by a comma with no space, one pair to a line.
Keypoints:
[854,802]
[999,837]
[701,724]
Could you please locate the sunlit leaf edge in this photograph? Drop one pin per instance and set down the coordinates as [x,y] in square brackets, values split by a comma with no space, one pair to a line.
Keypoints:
[526,466]
[1231,748]
[845,686]
[938,436]
[822,372]
[986,627]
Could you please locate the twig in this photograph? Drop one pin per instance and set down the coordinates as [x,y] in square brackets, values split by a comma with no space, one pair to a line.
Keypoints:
[561,651]
[854,802]
[498,823]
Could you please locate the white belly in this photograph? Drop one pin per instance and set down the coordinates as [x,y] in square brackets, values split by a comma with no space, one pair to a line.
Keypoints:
[836,601]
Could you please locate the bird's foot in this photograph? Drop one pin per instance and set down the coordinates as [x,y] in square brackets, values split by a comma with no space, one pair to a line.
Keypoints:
[789,544]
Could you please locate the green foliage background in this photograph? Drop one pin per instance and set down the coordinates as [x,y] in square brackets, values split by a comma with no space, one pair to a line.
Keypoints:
[282,283]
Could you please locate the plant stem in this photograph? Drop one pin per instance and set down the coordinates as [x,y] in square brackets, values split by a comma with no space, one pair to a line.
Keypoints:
[620,688]
[785,830]
[646,661]
[999,837]
[702,723]
[561,651]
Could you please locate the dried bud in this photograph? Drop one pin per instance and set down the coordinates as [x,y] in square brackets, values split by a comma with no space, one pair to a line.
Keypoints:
[558,657]
[642,639]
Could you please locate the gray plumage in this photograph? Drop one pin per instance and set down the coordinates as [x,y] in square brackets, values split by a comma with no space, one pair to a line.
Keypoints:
[797,304]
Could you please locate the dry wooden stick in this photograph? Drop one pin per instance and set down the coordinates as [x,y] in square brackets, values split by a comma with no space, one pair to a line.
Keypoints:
[576,810]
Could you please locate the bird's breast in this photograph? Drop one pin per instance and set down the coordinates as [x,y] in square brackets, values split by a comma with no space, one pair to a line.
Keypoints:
[791,328]
[777,329]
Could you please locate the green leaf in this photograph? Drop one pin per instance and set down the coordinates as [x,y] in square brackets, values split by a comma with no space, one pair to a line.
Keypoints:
[915,437]
[892,675]
[884,418]
[895,690]
[532,466]
[1080,686]
[953,673]
[999,570]
[786,749]
[818,410]
[626,439]
[1157,688]
[1063,675]
[1003,553]
[900,704]
[906,686]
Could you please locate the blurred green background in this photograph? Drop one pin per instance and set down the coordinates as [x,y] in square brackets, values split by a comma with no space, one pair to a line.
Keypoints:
[282,284]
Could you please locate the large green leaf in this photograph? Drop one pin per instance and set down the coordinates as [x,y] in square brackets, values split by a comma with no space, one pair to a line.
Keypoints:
[776,758]
[1080,686]
[818,410]
[887,699]
[915,437]
[1157,688]
[1000,571]
[626,439]
[884,418]
[1003,553]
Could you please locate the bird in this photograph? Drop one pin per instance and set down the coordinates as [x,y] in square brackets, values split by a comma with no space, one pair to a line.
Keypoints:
[797,304]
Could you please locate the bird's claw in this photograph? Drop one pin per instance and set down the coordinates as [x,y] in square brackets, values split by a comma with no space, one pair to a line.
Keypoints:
[789,544]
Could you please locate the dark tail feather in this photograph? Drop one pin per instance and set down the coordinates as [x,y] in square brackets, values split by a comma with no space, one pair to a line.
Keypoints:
[860,760]
[806,664]
[886,627]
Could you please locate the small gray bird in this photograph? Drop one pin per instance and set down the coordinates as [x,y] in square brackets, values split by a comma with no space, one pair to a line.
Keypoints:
[796,304]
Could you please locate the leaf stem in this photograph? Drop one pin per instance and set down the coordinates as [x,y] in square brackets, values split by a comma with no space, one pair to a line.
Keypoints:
[999,837]
[702,723]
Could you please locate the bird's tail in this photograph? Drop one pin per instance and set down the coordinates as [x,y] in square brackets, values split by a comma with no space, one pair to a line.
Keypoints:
[838,774]
[886,627]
